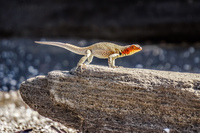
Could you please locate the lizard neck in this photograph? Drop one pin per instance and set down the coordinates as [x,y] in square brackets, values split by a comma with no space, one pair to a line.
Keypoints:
[123,51]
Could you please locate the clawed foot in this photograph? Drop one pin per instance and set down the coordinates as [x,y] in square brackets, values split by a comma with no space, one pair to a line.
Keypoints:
[116,66]
[81,66]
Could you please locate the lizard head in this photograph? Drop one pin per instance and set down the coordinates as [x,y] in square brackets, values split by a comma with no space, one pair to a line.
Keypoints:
[131,49]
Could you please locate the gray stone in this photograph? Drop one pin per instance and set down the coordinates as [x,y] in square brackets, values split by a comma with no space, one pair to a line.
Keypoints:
[102,99]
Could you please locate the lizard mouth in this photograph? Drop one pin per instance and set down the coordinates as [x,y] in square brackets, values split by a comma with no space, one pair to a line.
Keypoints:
[138,47]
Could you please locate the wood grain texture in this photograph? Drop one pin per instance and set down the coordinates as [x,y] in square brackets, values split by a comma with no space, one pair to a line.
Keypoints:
[102,99]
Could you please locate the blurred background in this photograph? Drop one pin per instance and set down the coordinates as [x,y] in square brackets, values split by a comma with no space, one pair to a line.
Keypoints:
[168,31]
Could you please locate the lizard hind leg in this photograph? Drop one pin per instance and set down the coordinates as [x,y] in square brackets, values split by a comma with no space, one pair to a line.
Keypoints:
[83,59]
[90,58]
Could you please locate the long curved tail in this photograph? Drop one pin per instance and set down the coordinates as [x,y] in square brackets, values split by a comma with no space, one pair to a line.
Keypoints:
[70,47]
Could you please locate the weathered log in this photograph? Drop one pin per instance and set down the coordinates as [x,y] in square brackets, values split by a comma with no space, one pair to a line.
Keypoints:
[102,99]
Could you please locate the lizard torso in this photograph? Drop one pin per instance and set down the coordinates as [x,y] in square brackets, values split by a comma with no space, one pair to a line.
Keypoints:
[99,50]
[105,49]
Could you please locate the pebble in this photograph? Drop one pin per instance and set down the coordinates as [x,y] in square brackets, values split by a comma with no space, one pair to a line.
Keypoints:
[16,116]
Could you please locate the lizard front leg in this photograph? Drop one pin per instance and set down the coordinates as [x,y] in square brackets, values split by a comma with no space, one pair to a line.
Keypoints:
[111,60]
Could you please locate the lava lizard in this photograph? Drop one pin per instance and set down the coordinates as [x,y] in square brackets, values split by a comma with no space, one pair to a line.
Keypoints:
[100,50]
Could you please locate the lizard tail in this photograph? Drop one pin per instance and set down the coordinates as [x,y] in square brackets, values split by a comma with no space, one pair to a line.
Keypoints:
[70,47]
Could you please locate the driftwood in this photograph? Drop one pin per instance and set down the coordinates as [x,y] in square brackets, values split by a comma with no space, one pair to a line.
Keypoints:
[102,99]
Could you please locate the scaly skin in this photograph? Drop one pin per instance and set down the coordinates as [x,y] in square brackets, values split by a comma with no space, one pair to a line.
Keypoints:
[100,50]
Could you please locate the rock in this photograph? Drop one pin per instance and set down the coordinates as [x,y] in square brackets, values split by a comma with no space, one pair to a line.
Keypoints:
[102,99]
